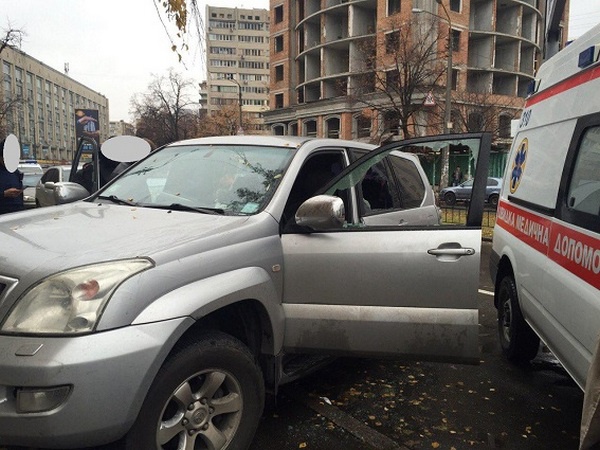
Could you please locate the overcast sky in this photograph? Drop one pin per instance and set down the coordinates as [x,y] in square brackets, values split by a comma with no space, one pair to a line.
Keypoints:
[115,47]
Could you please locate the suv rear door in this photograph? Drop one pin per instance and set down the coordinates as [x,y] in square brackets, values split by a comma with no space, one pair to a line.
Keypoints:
[374,288]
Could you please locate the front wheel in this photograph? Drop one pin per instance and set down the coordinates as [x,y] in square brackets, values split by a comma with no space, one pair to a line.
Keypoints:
[450,198]
[519,342]
[209,394]
[493,200]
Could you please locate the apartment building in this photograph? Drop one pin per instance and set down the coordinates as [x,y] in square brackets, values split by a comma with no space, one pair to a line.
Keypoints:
[237,61]
[120,128]
[40,104]
[319,64]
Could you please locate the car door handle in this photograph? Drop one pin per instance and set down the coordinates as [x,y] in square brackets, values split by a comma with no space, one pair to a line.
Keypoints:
[451,251]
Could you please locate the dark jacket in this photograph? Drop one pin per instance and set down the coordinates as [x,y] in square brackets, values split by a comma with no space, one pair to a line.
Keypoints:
[10,180]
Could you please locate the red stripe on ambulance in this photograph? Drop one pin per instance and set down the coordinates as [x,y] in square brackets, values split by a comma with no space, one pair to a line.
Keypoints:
[577,252]
[569,83]
[532,229]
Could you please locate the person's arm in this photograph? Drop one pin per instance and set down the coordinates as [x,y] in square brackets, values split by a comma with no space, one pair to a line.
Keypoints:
[12,192]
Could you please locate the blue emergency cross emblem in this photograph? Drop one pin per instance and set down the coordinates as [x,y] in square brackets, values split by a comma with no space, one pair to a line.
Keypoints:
[518,166]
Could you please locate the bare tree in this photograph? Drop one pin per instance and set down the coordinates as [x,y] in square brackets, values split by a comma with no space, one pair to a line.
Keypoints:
[166,113]
[483,111]
[9,104]
[9,108]
[12,37]
[401,67]
[226,121]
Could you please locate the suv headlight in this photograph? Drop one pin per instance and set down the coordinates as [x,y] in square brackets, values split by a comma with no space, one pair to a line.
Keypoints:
[70,302]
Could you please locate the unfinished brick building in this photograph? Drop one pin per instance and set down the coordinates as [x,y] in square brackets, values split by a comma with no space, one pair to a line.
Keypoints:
[320,71]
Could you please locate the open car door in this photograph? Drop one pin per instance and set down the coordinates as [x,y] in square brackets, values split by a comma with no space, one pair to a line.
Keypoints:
[93,166]
[371,286]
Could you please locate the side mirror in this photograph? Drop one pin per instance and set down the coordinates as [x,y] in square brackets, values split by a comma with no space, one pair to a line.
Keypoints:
[68,192]
[322,212]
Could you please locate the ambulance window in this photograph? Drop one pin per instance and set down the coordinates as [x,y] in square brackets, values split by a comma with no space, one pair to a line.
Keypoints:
[584,188]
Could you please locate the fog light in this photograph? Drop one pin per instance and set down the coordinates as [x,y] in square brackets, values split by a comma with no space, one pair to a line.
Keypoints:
[35,400]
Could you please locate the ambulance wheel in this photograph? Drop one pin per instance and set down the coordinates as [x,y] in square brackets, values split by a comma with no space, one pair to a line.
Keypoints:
[518,341]
[450,198]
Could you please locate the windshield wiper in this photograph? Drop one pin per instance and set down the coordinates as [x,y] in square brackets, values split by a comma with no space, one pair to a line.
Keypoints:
[182,207]
[117,200]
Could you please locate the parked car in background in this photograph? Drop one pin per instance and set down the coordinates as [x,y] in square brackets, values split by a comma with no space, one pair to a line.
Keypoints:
[44,193]
[463,192]
[32,172]
[30,166]
[30,181]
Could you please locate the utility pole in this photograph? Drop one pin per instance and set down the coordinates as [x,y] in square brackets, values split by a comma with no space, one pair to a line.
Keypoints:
[445,152]
[448,112]
[241,127]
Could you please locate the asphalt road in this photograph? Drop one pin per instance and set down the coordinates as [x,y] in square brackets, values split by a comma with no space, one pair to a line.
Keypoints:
[360,404]
[383,404]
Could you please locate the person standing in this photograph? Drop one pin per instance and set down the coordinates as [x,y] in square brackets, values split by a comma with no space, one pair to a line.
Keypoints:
[457,176]
[11,187]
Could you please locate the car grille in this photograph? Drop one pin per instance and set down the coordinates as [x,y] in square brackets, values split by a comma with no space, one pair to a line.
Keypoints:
[6,285]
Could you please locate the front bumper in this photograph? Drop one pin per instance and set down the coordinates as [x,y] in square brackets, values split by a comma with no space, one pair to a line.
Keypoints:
[109,374]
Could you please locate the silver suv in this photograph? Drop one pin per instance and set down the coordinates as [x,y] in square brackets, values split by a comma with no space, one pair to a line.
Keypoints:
[164,307]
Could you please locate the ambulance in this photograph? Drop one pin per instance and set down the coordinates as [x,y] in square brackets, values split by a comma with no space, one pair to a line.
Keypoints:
[545,262]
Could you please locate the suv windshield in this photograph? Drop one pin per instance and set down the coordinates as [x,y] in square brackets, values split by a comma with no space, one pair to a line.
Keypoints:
[232,179]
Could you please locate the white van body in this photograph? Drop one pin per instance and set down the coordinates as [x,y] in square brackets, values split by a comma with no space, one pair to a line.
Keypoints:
[546,248]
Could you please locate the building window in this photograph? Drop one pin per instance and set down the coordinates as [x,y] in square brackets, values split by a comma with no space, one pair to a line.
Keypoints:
[278,101]
[391,122]
[393,7]
[455,40]
[222,50]
[332,126]
[362,126]
[392,78]
[454,79]
[279,73]
[456,121]
[293,129]
[475,122]
[279,130]
[278,44]
[310,128]
[455,5]
[504,122]
[279,14]
[392,41]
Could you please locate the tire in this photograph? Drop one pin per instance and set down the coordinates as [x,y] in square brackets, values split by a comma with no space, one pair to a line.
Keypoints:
[209,393]
[450,198]
[493,200]
[518,341]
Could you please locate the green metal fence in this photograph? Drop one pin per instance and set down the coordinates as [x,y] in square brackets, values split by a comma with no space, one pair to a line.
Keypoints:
[458,215]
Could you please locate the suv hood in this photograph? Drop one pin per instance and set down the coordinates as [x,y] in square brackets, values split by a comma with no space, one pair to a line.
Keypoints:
[47,240]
